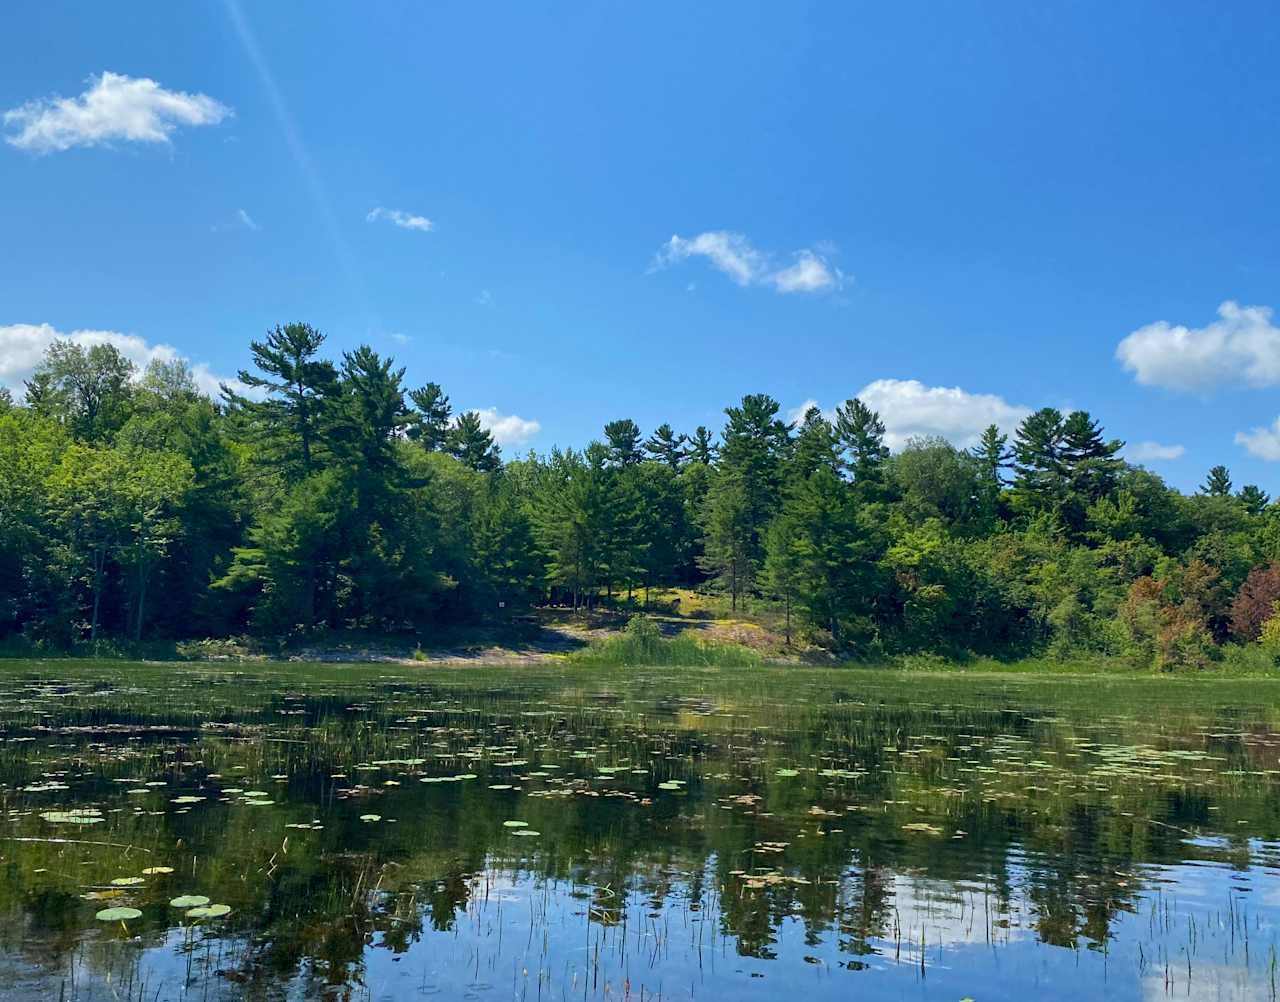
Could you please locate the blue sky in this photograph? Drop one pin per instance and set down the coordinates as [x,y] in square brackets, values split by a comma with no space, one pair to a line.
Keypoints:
[608,210]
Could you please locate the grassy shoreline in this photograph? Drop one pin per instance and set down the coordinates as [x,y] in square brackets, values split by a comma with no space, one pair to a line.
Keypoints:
[682,652]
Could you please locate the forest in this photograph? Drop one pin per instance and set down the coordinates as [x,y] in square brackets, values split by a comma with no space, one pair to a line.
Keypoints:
[328,495]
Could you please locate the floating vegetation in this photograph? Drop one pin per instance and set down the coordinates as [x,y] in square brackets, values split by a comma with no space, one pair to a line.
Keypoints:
[208,911]
[81,816]
[117,914]
[630,824]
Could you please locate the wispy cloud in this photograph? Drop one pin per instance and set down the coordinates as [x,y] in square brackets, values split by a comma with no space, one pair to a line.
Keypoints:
[1241,347]
[405,220]
[240,220]
[1264,442]
[484,298]
[1143,452]
[507,429]
[114,107]
[22,346]
[735,256]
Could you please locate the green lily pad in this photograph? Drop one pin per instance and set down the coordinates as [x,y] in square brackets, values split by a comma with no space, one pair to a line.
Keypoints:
[87,816]
[189,901]
[117,914]
[209,911]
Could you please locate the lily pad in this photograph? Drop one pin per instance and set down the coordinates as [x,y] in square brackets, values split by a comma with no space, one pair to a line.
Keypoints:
[152,871]
[209,911]
[117,914]
[86,816]
[189,901]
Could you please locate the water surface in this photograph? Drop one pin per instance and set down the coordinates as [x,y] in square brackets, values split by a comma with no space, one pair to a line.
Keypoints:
[531,833]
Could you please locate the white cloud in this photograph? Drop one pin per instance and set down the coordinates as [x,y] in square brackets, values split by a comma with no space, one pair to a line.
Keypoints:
[1148,451]
[730,253]
[735,256]
[1241,347]
[247,220]
[507,429]
[810,273]
[113,107]
[405,220]
[485,298]
[23,345]
[399,338]
[909,409]
[1264,443]
[796,414]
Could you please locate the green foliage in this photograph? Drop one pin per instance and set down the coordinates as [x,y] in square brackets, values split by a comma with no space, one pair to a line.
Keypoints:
[641,644]
[322,496]
[1218,483]
[430,424]
[472,444]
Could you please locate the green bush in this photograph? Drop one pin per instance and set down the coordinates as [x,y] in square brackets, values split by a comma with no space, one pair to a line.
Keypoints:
[642,644]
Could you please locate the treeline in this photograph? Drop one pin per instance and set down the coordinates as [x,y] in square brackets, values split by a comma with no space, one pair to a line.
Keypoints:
[329,495]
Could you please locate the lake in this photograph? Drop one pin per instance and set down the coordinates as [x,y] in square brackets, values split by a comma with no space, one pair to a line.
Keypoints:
[289,831]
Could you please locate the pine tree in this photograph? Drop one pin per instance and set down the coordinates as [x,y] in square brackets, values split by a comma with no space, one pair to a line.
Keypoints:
[782,566]
[729,542]
[430,427]
[1089,461]
[296,418]
[1218,484]
[701,447]
[1038,461]
[667,447]
[993,452]
[860,433]
[624,442]
[815,446]
[832,557]
[756,447]
[471,443]
[372,416]
[1254,498]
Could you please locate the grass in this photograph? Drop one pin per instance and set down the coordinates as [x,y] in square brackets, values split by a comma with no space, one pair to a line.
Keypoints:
[1238,662]
[685,650]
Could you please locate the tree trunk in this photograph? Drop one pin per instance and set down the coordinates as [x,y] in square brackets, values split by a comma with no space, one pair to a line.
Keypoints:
[142,601]
[99,559]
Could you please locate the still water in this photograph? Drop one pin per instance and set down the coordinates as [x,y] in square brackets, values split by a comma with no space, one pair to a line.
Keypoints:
[385,833]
